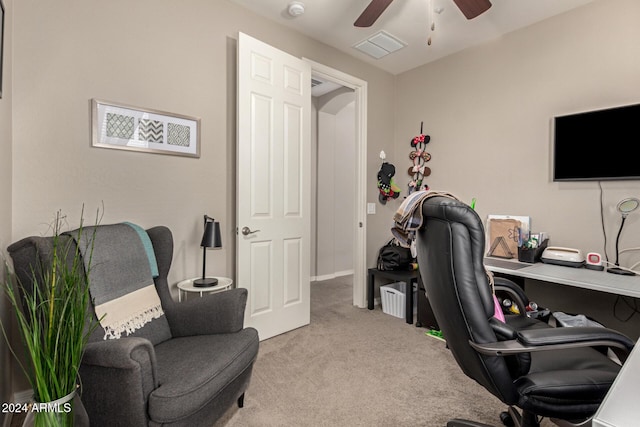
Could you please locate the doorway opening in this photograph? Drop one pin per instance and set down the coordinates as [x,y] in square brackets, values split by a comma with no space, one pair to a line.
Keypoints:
[344,101]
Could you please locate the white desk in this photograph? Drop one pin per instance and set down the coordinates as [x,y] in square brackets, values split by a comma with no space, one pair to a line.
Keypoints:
[619,407]
[578,277]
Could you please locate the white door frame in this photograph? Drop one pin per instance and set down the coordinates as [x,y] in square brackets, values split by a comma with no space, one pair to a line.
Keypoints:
[360,248]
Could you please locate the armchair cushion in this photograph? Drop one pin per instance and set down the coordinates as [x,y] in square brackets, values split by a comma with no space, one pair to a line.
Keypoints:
[193,370]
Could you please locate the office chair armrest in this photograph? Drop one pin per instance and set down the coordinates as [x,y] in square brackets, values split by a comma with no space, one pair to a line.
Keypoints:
[537,337]
[502,330]
[556,339]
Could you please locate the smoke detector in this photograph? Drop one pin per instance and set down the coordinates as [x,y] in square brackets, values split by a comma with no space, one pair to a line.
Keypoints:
[295,9]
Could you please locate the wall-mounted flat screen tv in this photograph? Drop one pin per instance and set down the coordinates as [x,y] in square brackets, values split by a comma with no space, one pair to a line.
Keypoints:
[597,145]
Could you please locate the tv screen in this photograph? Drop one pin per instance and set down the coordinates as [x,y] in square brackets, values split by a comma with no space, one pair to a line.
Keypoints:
[597,145]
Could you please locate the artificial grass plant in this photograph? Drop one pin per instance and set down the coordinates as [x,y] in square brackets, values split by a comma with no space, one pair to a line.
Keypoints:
[52,319]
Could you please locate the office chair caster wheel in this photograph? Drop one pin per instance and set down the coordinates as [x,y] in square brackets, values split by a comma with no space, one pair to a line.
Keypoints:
[506,419]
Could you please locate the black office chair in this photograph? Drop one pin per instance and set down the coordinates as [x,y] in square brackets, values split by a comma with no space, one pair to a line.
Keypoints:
[537,370]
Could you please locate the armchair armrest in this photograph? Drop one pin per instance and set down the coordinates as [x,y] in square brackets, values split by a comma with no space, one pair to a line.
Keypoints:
[127,365]
[120,354]
[556,339]
[218,313]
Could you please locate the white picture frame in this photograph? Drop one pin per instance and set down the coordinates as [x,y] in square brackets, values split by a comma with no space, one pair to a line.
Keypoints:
[1,43]
[125,127]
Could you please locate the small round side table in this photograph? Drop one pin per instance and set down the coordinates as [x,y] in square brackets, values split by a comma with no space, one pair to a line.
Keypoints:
[186,286]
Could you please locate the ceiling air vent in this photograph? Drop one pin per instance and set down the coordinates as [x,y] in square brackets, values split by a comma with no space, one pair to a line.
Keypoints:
[315,82]
[380,44]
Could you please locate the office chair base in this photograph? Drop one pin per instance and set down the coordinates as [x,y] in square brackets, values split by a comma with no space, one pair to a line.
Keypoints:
[512,418]
[507,419]
[465,423]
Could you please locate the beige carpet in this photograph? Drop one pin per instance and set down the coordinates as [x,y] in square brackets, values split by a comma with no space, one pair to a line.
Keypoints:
[356,367]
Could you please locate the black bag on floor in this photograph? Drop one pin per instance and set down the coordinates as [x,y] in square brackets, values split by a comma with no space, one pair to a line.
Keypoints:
[392,256]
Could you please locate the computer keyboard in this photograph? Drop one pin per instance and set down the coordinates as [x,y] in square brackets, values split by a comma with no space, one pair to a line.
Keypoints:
[503,263]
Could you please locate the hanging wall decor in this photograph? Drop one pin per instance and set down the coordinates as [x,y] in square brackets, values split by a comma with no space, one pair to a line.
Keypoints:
[418,170]
[388,189]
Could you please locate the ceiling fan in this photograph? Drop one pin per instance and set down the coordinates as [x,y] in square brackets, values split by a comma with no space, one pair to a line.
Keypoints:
[470,9]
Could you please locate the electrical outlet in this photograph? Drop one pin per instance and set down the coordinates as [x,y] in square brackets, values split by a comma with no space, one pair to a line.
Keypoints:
[371,208]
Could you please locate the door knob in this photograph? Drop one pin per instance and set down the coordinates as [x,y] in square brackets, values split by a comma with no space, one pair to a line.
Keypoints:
[246,231]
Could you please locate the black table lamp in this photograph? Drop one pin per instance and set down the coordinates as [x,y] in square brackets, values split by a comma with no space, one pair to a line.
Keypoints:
[210,239]
[625,207]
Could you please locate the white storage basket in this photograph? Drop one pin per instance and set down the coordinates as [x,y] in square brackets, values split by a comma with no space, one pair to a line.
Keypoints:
[393,299]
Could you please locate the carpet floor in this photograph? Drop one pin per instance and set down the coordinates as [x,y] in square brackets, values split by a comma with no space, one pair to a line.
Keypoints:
[356,367]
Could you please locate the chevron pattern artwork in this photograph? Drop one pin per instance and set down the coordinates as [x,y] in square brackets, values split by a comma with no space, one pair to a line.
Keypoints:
[150,130]
[125,127]
[119,126]
[178,135]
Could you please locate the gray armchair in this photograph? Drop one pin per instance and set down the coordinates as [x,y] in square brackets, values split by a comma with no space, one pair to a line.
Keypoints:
[185,369]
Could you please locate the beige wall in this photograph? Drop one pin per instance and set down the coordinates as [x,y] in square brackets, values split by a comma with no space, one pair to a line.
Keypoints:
[5,196]
[336,184]
[171,56]
[489,110]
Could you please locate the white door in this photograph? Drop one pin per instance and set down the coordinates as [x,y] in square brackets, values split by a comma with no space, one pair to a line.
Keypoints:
[273,182]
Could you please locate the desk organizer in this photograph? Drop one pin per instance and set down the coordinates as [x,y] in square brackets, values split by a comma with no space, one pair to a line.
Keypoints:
[532,255]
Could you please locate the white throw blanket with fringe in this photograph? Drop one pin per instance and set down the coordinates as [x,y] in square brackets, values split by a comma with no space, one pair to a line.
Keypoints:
[120,278]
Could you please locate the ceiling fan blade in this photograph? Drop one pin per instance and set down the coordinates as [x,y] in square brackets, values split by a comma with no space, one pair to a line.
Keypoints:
[472,8]
[372,13]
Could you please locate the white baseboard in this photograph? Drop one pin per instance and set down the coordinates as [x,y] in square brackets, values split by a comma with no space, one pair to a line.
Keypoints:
[344,273]
[331,276]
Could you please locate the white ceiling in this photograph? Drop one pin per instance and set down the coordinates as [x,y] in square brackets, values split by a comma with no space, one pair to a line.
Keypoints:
[331,22]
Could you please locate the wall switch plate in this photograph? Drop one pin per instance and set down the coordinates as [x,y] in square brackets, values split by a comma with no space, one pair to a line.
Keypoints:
[371,208]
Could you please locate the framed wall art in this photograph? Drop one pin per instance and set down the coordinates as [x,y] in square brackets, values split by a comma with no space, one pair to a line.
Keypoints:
[125,127]
[1,42]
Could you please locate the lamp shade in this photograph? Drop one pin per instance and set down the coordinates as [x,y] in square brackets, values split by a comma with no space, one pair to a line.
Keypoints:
[211,237]
[628,205]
